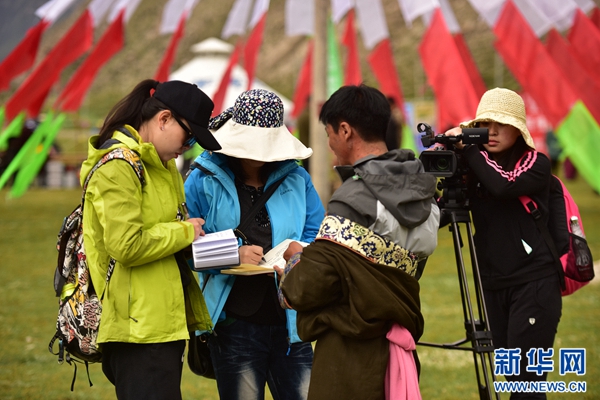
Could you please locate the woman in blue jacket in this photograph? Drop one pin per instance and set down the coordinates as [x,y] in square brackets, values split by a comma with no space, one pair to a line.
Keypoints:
[255,340]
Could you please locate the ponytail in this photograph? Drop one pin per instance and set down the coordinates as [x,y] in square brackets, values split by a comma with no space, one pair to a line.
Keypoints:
[134,109]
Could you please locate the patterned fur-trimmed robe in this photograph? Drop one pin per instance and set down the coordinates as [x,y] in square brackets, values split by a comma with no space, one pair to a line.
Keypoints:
[347,303]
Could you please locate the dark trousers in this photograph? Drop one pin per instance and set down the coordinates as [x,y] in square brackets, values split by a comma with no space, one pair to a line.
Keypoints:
[525,317]
[144,371]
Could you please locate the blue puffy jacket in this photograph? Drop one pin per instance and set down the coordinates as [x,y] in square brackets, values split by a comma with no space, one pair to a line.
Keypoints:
[295,211]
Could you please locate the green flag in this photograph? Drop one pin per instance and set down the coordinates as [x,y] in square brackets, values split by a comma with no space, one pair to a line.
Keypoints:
[31,169]
[26,153]
[12,130]
[2,115]
[579,136]
[334,63]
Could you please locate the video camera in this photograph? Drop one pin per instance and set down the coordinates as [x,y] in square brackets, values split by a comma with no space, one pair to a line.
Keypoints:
[454,205]
[447,163]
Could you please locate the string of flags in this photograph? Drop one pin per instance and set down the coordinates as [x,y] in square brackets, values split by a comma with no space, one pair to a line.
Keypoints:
[562,75]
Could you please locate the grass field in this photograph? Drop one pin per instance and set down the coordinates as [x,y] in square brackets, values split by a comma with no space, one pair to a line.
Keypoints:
[28,228]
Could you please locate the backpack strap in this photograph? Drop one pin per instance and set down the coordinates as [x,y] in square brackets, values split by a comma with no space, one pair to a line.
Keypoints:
[195,165]
[120,153]
[112,141]
[531,208]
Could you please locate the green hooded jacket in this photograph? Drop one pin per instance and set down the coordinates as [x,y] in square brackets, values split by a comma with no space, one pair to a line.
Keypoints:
[145,300]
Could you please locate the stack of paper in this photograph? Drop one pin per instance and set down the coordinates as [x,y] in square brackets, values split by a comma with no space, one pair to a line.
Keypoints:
[216,250]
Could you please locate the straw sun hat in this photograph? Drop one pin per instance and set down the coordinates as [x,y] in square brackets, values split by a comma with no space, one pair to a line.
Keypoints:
[503,106]
[253,129]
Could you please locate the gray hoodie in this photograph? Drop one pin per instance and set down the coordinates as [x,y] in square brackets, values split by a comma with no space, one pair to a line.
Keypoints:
[393,196]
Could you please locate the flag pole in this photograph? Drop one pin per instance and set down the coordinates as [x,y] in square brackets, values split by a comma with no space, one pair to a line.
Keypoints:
[320,164]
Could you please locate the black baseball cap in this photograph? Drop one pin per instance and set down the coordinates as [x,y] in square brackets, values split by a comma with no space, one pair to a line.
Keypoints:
[189,102]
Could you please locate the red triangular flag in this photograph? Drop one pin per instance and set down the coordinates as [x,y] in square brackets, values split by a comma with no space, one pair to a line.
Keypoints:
[111,42]
[164,69]
[31,94]
[447,75]
[22,57]
[472,70]
[531,64]
[219,96]
[568,62]
[252,48]
[585,41]
[381,61]
[352,74]
[304,84]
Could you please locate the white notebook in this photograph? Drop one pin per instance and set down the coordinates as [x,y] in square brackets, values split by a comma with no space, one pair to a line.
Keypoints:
[216,250]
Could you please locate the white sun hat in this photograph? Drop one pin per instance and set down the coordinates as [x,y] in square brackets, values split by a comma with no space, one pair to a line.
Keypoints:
[253,129]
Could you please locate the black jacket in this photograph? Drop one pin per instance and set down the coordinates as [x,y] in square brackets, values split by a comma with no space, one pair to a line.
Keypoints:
[510,248]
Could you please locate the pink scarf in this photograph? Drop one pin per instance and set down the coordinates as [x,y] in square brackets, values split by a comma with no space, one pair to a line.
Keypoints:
[401,380]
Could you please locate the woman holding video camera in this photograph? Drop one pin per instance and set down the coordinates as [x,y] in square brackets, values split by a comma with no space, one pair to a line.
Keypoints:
[518,273]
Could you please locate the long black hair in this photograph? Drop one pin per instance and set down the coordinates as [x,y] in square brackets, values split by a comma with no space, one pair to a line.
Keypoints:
[134,109]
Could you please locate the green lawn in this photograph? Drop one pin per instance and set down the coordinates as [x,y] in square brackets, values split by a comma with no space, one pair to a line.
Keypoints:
[28,228]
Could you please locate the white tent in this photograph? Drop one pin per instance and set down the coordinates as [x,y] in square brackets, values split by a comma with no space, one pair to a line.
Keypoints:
[207,69]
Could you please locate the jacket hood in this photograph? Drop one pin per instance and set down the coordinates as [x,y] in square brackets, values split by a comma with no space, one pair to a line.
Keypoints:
[147,151]
[398,180]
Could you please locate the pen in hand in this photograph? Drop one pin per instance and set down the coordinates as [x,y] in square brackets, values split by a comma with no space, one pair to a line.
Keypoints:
[251,254]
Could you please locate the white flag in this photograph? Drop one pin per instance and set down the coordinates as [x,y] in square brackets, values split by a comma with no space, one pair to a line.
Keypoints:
[172,14]
[339,8]
[373,25]
[99,9]
[299,17]
[128,5]
[411,9]
[488,10]
[534,16]
[560,13]
[449,17]
[585,5]
[237,19]
[51,10]
[260,8]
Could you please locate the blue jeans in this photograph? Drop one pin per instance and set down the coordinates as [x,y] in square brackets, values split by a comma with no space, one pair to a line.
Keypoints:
[246,356]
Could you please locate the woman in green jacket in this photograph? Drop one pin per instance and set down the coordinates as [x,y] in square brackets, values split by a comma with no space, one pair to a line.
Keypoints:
[151,301]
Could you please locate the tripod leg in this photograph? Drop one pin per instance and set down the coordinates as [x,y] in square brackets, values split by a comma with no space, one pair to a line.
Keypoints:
[486,356]
[476,326]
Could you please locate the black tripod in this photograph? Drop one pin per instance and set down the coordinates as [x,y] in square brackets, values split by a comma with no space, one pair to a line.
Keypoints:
[456,211]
